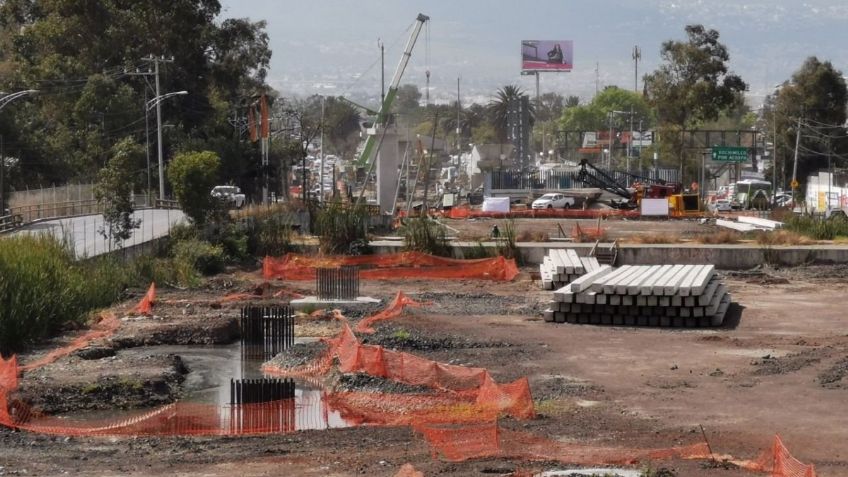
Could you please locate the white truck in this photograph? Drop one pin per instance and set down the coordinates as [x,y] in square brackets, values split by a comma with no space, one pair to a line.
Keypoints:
[230,195]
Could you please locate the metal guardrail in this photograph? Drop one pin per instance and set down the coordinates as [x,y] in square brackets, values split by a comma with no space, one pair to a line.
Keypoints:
[166,204]
[10,222]
[30,213]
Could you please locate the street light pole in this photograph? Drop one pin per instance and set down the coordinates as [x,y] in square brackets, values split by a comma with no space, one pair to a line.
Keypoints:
[159,137]
[4,101]
[157,102]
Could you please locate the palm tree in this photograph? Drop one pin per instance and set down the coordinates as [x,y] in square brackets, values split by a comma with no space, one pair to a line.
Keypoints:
[499,108]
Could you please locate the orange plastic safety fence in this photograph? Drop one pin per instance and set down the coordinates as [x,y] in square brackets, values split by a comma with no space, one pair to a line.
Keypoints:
[181,418]
[105,327]
[394,310]
[473,386]
[392,266]
[145,306]
[487,440]
[581,234]
[262,291]
[778,462]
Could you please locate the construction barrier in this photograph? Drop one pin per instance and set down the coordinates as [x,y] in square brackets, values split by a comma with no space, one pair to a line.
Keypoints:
[145,306]
[391,267]
[394,310]
[458,416]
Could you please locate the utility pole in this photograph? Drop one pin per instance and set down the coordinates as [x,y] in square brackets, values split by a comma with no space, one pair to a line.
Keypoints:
[458,119]
[156,62]
[795,165]
[774,157]
[382,70]
[427,90]
[637,55]
[597,77]
[321,173]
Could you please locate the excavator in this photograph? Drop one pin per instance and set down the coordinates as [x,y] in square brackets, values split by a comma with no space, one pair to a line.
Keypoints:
[680,204]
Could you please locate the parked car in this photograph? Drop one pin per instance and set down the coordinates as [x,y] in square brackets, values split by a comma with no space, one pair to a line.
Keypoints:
[230,195]
[722,205]
[553,201]
[782,200]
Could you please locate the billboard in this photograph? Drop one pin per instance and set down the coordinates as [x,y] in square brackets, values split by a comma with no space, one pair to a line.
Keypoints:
[546,55]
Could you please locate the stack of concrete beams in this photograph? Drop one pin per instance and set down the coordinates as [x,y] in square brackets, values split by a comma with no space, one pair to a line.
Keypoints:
[562,266]
[643,295]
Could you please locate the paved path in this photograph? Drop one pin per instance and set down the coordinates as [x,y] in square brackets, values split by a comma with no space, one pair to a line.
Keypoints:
[83,232]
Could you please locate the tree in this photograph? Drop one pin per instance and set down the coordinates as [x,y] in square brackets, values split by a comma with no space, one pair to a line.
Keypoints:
[551,106]
[114,190]
[817,94]
[192,176]
[693,83]
[341,127]
[499,109]
[595,115]
[78,54]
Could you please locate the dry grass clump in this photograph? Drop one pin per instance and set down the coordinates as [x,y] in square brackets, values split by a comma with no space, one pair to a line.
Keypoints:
[654,238]
[719,237]
[782,237]
[533,236]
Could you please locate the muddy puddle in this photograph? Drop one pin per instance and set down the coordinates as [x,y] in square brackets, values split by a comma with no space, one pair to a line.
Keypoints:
[208,382]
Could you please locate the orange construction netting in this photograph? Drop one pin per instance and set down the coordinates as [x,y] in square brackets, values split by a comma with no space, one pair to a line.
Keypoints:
[392,266]
[456,411]
[394,310]
[103,328]
[488,440]
[263,291]
[465,212]
[778,462]
[145,306]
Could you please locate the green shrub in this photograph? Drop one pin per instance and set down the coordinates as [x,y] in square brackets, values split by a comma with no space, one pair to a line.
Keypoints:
[342,228]
[818,228]
[478,251]
[508,246]
[270,235]
[42,289]
[421,234]
[199,255]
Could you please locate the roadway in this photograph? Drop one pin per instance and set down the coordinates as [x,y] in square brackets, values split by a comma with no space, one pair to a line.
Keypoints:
[83,232]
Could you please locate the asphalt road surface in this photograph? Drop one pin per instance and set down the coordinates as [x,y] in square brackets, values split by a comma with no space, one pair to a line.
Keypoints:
[84,232]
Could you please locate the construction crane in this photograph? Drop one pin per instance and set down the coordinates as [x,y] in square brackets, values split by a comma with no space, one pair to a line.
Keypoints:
[642,187]
[385,108]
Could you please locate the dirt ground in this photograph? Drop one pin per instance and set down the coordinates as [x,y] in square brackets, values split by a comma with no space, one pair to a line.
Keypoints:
[616,228]
[779,366]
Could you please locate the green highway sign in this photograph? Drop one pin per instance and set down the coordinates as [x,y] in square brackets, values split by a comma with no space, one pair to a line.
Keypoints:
[730,154]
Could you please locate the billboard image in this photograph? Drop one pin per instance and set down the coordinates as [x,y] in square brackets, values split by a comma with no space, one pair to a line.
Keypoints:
[547,55]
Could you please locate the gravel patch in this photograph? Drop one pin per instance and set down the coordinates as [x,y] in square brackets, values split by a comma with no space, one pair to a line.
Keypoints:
[768,365]
[450,303]
[368,383]
[415,340]
[299,354]
[832,378]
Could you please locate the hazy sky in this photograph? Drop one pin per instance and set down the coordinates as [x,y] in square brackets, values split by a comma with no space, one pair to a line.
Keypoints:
[330,46]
